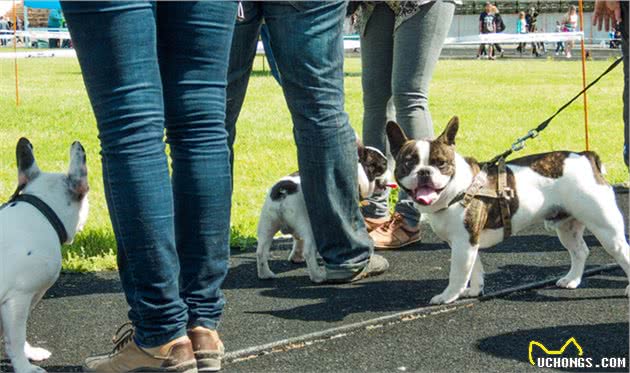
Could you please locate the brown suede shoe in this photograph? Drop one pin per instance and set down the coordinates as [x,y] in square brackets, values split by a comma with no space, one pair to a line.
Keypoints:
[127,356]
[208,348]
[394,234]
[373,223]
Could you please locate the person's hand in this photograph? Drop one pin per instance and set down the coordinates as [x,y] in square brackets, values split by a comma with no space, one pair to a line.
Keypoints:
[607,12]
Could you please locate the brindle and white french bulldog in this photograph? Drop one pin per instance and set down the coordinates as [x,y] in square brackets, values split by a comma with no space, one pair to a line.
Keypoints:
[564,189]
[285,210]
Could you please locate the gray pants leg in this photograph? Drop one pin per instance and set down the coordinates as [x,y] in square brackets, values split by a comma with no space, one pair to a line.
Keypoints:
[399,64]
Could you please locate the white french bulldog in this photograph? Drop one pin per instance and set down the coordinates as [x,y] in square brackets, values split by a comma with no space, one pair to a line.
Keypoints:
[566,190]
[285,210]
[45,212]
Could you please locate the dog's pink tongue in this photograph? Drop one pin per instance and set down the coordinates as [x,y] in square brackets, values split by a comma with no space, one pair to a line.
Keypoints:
[425,195]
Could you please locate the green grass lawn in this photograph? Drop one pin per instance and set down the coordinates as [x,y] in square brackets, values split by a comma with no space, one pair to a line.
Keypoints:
[496,102]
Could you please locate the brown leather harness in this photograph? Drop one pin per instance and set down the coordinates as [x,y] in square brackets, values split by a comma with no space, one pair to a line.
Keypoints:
[471,201]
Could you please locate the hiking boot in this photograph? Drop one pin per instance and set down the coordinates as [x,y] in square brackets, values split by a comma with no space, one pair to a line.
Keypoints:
[127,356]
[395,234]
[208,349]
[373,223]
[376,265]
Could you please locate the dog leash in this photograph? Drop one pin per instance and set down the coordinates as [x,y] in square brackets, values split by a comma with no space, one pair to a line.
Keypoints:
[43,208]
[519,144]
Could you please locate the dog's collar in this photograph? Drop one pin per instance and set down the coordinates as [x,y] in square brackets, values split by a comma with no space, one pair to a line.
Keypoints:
[45,210]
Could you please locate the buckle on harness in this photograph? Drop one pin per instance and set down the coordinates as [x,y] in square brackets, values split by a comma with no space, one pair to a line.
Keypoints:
[507,193]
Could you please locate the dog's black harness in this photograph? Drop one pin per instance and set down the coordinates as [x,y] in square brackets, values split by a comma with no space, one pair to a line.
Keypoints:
[43,208]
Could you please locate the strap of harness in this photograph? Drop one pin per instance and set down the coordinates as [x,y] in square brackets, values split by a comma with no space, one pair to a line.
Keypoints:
[44,209]
[502,192]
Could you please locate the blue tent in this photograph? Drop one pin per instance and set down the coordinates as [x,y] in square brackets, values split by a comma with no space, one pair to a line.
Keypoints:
[42,4]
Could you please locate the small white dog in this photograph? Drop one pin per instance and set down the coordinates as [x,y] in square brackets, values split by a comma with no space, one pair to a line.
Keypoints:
[566,190]
[45,212]
[285,210]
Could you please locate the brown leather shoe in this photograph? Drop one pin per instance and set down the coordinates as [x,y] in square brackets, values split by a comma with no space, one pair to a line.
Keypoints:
[208,348]
[127,356]
[373,223]
[394,234]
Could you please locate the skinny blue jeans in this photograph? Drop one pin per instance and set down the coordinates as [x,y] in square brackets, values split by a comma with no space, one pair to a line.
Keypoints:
[306,38]
[157,71]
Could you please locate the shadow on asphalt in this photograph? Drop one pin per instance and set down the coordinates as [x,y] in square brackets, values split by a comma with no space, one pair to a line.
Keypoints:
[335,303]
[534,243]
[597,341]
[5,366]
[74,284]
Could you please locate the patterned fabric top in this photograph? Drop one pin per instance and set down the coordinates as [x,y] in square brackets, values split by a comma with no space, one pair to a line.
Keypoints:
[403,10]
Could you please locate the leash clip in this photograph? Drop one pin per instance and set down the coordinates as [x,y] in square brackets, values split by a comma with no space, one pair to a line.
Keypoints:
[520,143]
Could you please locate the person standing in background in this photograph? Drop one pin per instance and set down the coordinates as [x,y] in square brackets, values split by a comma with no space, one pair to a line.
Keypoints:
[521,28]
[532,21]
[499,26]
[4,30]
[55,20]
[401,42]
[486,26]
[559,44]
[570,22]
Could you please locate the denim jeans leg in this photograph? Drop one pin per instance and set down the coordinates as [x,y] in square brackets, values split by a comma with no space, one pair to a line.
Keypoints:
[376,77]
[307,42]
[417,46]
[194,78]
[242,53]
[116,46]
[377,206]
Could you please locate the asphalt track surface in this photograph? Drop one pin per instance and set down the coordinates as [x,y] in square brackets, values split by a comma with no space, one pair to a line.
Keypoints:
[79,315]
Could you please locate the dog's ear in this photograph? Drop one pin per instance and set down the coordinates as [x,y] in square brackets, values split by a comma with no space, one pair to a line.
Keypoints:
[77,172]
[376,161]
[27,167]
[360,148]
[396,137]
[449,133]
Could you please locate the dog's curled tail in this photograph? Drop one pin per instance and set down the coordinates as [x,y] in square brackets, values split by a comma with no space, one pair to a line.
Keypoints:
[282,189]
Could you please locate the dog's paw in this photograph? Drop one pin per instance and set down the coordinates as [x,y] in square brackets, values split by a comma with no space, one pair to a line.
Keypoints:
[30,369]
[472,292]
[266,275]
[296,258]
[36,353]
[317,278]
[444,298]
[568,283]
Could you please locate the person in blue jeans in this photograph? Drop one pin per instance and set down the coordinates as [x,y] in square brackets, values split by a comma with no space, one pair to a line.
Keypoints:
[307,44]
[264,37]
[156,70]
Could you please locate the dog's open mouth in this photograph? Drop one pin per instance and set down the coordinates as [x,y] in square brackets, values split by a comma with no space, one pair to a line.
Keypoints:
[426,194]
